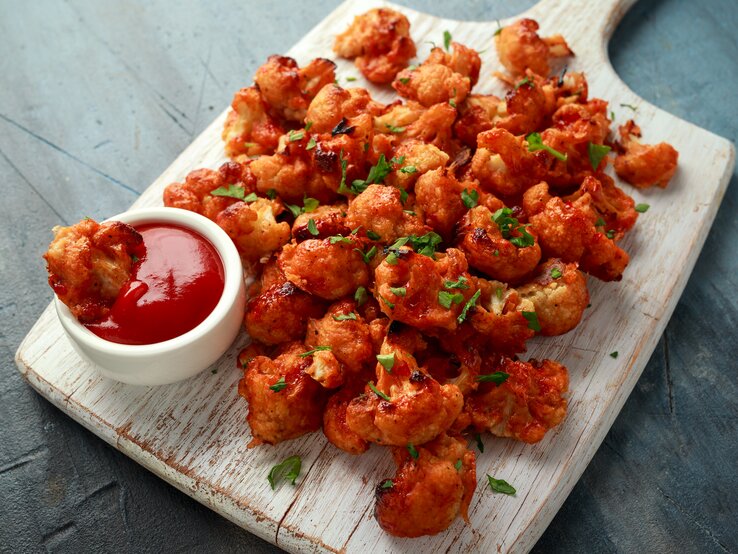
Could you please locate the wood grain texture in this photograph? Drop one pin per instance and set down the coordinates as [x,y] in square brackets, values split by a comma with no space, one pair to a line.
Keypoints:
[154,425]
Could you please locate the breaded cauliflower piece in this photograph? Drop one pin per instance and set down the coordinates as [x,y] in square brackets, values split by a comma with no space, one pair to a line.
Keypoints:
[88,264]
[249,130]
[644,165]
[289,89]
[329,220]
[379,209]
[527,404]
[566,230]
[503,165]
[418,409]
[335,428]
[419,156]
[462,60]
[414,288]
[519,48]
[254,230]
[284,402]
[346,332]
[429,491]
[280,312]
[380,41]
[438,198]
[290,173]
[333,103]
[559,295]
[502,253]
[610,203]
[476,115]
[401,122]
[326,268]
[432,83]
[195,194]
[326,369]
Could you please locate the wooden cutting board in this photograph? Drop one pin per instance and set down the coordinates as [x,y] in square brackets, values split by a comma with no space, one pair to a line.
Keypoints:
[194,434]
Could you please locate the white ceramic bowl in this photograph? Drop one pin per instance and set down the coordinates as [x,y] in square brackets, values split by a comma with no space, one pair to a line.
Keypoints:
[183,356]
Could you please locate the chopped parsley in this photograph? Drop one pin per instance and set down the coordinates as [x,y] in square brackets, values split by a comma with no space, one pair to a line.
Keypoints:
[398,291]
[308,124]
[445,299]
[525,82]
[234,191]
[288,470]
[351,316]
[394,129]
[555,273]
[614,354]
[610,234]
[596,153]
[409,169]
[461,283]
[426,245]
[629,106]
[368,255]
[500,485]
[403,195]
[351,79]
[532,318]
[339,238]
[376,175]
[361,296]
[404,80]
[498,377]
[308,205]
[311,144]
[296,135]
[378,392]
[447,39]
[600,222]
[480,444]
[388,484]
[387,361]
[271,194]
[458,465]
[412,450]
[642,208]
[470,198]
[314,350]
[372,235]
[535,143]
[279,385]
[312,228]
[390,305]
[468,306]
[499,28]
[509,225]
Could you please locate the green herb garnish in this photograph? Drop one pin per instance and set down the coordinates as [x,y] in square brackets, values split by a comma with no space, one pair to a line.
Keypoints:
[500,485]
[288,470]
[535,143]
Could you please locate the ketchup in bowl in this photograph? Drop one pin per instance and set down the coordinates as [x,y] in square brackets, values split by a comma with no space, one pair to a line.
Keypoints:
[174,287]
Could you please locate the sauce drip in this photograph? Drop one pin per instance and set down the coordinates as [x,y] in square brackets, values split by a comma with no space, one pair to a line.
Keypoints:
[173,288]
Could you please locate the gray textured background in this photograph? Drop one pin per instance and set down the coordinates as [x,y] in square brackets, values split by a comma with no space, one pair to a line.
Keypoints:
[97,98]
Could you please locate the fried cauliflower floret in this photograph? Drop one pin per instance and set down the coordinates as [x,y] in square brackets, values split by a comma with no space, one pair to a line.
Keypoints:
[477,114]
[418,409]
[432,126]
[519,48]
[438,197]
[432,83]
[503,253]
[329,220]
[249,130]
[280,312]
[346,332]
[327,270]
[288,89]
[379,209]
[326,369]
[559,295]
[254,230]
[644,165]
[609,202]
[462,60]
[335,428]
[428,492]
[88,264]
[292,175]
[527,106]
[278,413]
[503,165]
[414,288]
[195,194]
[566,230]
[418,155]
[333,104]
[526,405]
[380,41]
[498,323]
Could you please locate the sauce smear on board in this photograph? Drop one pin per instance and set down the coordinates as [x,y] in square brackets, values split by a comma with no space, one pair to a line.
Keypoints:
[174,287]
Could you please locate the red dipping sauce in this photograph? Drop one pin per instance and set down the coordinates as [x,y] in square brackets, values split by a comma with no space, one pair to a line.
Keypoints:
[174,287]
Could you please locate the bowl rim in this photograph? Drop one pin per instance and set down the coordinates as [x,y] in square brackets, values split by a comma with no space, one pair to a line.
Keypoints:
[233,278]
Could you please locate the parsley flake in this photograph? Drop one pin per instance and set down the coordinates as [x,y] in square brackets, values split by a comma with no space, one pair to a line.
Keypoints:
[271,194]
[296,135]
[498,377]
[409,169]
[480,444]
[378,392]
[468,306]
[368,255]
[445,299]
[361,296]
[525,82]
[447,39]
[339,238]
[351,316]
[404,80]
[499,28]
[629,106]
[279,385]
[461,283]
[470,198]
[398,291]
[312,228]
[234,191]
[413,451]
[388,484]
[372,235]
[600,222]
[458,465]
[311,144]
[535,143]
[387,361]
[596,153]
[610,234]
[509,225]
[390,305]
[394,129]
[288,470]
[614,354]
[532,318]
[555,273]
[314,350]
[642,208]
[500,485]
[351,79]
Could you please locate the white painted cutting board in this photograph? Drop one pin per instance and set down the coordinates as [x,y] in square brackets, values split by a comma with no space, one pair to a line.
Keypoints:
[194,434]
